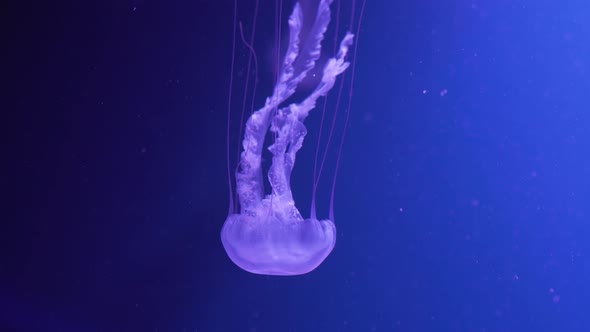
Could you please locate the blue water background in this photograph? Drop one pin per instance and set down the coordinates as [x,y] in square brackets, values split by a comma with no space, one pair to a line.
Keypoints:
[463,198]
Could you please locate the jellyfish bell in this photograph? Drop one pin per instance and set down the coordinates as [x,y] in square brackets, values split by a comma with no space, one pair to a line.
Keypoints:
[266,233]
[276,240]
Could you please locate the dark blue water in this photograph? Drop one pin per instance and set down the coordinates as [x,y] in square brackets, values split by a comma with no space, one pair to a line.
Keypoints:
[463,198]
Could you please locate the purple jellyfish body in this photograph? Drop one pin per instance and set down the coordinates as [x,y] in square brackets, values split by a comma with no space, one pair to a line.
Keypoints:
[268,235]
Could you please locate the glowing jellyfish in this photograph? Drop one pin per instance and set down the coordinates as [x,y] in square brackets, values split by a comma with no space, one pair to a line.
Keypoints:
[269,235]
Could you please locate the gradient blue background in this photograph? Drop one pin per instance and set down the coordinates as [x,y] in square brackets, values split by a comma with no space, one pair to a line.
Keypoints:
[463,212]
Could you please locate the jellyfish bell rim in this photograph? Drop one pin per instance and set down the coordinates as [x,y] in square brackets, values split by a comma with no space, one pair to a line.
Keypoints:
[270,246]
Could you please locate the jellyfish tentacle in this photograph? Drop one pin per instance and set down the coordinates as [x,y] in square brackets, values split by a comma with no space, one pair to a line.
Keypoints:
[289,127]
[249,177]
[311,47]
[249,184]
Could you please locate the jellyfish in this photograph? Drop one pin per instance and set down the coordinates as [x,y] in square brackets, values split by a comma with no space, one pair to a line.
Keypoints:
[268,235]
